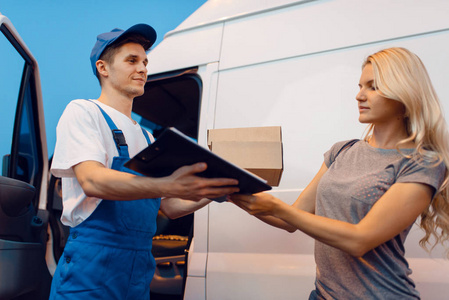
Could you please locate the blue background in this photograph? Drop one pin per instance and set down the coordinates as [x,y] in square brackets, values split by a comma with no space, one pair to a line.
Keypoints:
[61,34]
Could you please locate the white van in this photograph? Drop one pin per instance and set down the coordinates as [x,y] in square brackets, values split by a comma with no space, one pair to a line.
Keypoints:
[252,63]
[294,64]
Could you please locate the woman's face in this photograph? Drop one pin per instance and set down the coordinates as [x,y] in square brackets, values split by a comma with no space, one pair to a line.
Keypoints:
[373,107]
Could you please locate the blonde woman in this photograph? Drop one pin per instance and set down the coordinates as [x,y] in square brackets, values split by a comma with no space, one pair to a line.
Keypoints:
[368,193]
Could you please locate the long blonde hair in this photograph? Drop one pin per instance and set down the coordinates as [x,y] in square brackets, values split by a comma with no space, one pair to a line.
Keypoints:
[400,75]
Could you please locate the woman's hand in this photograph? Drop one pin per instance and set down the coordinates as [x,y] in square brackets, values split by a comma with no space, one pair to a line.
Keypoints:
[260,204]
[263,207]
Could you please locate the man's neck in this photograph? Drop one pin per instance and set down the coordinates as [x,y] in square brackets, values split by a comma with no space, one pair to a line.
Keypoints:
[117,101]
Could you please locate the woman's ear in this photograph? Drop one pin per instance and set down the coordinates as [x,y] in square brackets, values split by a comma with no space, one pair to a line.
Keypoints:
[101,68]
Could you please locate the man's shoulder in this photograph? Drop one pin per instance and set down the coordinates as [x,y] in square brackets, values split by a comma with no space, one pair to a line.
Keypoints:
[79,110]
[81,103]
[80,106]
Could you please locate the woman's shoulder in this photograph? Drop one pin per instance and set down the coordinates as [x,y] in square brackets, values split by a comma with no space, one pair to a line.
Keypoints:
[343,145]
[337,148]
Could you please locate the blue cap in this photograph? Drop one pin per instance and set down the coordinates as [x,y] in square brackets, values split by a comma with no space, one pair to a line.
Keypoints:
[108,38]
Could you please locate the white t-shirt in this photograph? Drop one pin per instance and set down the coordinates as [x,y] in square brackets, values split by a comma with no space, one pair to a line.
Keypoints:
[83,134]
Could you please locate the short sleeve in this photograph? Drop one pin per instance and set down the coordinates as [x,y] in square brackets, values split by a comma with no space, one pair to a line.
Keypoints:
[332,153]
[78,138]
[426,173]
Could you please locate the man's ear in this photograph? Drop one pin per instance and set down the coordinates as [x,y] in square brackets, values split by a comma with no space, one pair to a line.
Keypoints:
[101,68]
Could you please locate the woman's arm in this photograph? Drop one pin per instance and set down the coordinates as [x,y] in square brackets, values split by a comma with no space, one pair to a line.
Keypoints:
[175,207]
[392,213]
[305,202]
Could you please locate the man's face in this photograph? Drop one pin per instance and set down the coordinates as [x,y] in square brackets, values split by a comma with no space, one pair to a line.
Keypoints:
[127,72]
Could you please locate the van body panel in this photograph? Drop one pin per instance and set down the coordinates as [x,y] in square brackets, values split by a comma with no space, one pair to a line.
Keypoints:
[232,239]
[199,248]
[197,288]
[321,26]
[294,64]
[214,11]
[282,276]
[315,108]
[201,46]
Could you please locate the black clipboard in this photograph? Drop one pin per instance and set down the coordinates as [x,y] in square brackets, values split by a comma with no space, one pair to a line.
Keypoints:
[173,150]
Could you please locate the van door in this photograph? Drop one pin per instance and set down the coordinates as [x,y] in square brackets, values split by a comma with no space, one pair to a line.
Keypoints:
[23,218]
[172,99]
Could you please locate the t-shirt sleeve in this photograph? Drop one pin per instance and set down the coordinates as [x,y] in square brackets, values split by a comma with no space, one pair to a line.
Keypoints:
[331,154]
[78,138]
[426,173]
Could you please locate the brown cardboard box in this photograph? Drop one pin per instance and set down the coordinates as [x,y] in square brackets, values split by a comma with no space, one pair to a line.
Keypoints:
[256,149]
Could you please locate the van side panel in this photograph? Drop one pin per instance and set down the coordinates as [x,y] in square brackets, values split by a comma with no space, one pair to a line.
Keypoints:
[194,48]
[297,66]
[319,26]
[312,99]
[273,73]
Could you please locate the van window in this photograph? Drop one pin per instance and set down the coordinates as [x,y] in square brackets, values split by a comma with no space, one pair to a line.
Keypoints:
[27,164]
[11,68]
[171,100]
[21,148]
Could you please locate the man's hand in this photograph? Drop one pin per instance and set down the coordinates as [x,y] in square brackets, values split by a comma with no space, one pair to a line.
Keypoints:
[183,183]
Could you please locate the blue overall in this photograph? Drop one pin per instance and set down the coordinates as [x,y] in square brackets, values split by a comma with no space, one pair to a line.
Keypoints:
[108,255]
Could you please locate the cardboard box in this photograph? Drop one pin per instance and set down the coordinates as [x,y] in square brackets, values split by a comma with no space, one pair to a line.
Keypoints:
[256,149]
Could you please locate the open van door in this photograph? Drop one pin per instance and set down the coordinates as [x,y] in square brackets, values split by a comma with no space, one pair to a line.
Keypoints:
[23,184]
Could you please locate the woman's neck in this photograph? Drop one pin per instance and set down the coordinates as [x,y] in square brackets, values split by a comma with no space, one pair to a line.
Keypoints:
[389,137]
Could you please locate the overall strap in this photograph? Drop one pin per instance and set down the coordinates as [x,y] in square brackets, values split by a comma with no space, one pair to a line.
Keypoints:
[117,134]
[145,133]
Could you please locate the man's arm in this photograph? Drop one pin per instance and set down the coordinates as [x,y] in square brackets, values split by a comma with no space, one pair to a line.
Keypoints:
[98,181]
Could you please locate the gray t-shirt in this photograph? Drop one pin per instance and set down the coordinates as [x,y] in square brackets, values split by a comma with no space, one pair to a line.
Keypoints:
[356,178]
